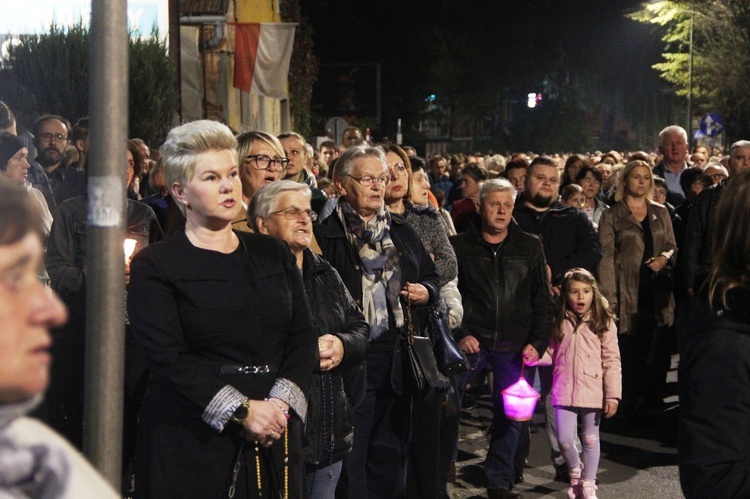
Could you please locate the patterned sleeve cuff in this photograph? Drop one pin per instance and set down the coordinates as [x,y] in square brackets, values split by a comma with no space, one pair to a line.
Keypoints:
[289,392]
[218,412]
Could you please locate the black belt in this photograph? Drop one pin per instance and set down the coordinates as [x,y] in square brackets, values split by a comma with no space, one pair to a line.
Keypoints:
[245,369]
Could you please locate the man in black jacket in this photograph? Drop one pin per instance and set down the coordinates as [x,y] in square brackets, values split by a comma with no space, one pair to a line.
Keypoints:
[508,313]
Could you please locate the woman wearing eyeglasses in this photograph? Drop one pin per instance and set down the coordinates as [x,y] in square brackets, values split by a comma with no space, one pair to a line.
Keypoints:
[382,263]
[222,319]
[262,161]
[283,210]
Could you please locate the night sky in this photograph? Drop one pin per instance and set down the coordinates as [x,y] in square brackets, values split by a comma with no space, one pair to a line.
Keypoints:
[480,49]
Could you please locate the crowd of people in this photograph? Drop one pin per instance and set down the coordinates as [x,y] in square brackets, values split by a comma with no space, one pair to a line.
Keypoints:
[272,288]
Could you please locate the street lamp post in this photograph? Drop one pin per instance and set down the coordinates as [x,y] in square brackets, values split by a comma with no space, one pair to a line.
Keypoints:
[690,78]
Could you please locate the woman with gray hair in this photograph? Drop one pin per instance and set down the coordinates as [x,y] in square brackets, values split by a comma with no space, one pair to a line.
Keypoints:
[226,330]
[386,268]
[283,210]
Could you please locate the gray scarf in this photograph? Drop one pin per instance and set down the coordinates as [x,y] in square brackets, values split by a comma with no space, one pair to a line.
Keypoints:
[381,271]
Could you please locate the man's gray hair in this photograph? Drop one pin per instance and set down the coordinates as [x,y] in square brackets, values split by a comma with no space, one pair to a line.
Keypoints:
[496,185]
[266,199]
[346,161]
[737,145]
[671,130]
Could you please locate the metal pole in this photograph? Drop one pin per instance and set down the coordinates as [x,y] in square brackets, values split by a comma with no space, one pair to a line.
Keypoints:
[105,276]
[690,82]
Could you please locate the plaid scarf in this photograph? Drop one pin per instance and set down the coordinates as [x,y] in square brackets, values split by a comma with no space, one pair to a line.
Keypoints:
[381,272]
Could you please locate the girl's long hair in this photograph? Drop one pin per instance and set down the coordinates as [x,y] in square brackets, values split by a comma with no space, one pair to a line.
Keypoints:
[600,315]
[730,241]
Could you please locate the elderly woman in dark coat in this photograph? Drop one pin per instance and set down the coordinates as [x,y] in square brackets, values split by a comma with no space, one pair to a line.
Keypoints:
[638,247]
[283,210]
[384,265]
[224,323]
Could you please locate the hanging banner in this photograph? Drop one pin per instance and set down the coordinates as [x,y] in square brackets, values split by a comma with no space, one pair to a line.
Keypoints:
[261,57]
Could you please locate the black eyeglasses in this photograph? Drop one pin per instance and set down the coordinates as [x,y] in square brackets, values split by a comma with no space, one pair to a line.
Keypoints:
[48,137]
[296,214]
[368,180]
[263,162]
[399,169]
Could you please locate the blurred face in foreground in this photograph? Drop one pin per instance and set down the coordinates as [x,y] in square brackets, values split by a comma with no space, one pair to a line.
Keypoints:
[27,310]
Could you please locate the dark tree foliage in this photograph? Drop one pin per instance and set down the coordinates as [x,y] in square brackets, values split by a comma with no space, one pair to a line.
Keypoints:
[303,68]
[48,73]
[153,95]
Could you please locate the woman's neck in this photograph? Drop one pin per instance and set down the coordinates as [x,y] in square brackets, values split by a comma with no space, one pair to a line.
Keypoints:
[396,206]
[220,239]
[635,201]
[299,256]
[590,203]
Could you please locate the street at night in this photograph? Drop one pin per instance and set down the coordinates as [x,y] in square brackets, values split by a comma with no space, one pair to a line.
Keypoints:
[638,460]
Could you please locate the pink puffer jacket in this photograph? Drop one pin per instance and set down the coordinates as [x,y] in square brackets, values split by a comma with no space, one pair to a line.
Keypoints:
[586,370]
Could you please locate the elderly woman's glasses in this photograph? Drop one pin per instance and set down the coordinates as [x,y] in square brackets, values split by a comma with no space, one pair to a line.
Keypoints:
[399,169]
[263,162]
[368,180]
[296,214]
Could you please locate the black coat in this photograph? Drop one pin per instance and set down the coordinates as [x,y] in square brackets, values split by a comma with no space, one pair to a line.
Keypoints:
[196,314]
[416,265]
[329,428]
[567,234]
[714,450]
[696,249]
[506,295]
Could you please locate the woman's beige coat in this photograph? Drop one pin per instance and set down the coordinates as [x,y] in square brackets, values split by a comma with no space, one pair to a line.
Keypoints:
[621,237]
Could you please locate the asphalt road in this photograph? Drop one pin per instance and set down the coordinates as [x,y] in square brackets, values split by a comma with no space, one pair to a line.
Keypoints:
[638,459]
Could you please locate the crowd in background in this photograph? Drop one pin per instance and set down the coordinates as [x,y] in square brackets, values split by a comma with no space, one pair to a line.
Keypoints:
[270,283]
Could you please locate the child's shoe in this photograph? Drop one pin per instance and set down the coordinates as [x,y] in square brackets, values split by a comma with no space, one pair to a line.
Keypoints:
[588,488]
[574,491]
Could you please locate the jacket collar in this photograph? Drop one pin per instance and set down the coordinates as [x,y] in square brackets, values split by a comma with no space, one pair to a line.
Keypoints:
[556,207]
[474,232]
[335,228]
[312,263]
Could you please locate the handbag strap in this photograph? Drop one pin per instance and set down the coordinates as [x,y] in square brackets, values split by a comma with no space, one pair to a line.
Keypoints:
[409,323]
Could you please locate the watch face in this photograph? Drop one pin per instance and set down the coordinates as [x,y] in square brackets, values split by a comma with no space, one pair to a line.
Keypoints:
[240,414]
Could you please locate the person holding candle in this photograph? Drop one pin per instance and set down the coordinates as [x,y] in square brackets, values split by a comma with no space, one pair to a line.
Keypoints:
[587,380]
[66,265]
[502,277]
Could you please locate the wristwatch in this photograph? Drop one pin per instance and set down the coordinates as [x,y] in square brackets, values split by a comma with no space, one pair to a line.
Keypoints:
[240,414]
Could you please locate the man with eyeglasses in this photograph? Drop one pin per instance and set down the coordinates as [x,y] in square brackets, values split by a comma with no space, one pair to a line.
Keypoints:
[715,174]
[51,140]
[294,147]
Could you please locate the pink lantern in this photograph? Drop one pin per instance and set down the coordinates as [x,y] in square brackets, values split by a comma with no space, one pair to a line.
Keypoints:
[519,400]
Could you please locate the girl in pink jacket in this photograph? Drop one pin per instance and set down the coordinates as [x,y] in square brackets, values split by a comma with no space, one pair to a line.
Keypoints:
[587,374]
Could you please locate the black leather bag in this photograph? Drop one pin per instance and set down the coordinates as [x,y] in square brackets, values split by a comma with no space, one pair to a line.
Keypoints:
[450,359]
[420,376]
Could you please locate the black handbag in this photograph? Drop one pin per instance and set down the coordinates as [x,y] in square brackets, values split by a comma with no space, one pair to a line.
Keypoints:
[420,377]
[450,359]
